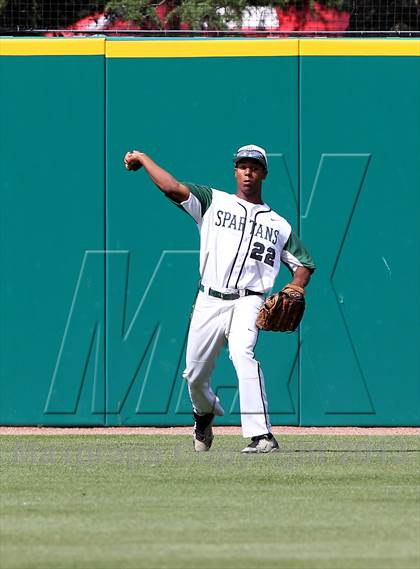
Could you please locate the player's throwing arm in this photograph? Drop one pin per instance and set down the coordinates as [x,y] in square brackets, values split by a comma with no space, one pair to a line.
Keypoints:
[134,160]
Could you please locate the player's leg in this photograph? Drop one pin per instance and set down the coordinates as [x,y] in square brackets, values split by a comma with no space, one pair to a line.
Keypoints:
[242,337]
[205,340]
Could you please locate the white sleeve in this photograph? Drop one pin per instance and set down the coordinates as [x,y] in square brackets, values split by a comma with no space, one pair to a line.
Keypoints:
[193,206]
[290,260]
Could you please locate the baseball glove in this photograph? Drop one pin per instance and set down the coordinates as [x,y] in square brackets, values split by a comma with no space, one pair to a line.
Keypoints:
[282,311]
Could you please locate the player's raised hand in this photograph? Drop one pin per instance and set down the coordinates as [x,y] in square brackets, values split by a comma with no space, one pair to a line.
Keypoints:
[132,160]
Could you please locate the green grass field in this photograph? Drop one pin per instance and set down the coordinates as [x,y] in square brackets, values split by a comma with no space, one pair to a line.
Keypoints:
[151,502]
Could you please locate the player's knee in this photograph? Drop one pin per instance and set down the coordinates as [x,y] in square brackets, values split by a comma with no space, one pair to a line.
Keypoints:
[241,354]
[194,384]
[194,379]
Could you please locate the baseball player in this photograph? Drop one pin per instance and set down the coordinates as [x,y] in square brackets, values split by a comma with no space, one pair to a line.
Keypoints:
[242,243]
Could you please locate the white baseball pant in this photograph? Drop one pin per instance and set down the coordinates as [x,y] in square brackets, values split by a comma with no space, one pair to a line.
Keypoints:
[213,322]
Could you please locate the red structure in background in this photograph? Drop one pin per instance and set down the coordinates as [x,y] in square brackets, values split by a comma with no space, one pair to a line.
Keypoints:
[318,19]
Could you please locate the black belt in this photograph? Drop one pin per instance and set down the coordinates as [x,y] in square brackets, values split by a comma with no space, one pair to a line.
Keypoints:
[229,295]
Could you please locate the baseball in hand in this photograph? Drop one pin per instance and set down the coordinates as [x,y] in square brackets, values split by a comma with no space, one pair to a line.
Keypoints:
[132,162]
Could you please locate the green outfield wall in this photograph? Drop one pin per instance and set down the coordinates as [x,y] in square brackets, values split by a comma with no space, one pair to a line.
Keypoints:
[99,271]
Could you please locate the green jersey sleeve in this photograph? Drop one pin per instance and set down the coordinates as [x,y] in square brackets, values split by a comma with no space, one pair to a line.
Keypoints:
[295,254]
[204,195]
[198,202]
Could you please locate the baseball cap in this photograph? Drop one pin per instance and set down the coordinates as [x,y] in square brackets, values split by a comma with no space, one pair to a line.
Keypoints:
[251,151]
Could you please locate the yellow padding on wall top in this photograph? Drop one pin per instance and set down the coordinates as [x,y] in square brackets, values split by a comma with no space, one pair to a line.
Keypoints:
[353,47]
[202,48]
[260,47]
[53,46]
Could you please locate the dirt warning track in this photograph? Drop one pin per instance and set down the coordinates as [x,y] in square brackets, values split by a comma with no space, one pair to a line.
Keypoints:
[375,431]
